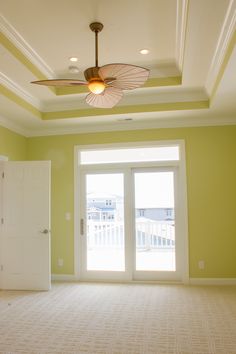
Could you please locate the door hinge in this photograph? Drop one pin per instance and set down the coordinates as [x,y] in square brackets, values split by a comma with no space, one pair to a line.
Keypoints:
[3,175]
[1,268]
[2,221]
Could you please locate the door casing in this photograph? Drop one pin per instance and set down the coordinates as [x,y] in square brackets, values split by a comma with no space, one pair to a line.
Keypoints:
[181,209]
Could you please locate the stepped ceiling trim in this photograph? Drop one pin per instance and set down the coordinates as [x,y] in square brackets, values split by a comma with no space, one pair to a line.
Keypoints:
[16,41]
[22,52]
[19,101]
[16,128]
[181,28]
[223,50]
[158,107]
[17,90]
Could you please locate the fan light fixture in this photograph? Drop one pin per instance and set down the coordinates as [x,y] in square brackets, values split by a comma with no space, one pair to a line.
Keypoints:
[96,86]
[106,83]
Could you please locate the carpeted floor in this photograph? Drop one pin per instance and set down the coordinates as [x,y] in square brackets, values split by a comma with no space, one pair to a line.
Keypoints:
[119,319]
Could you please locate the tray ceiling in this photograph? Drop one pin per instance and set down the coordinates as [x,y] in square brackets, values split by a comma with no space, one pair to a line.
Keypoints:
[192,60]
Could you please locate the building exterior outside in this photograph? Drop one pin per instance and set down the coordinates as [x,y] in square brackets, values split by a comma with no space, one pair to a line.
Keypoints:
[104,207]
[159,214]
[109,207]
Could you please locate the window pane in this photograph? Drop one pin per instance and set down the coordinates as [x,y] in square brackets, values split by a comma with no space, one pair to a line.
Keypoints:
[105,222]
[155,221]
[162,153]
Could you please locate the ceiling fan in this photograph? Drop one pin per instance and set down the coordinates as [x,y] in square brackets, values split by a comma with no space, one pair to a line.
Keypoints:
[106,83]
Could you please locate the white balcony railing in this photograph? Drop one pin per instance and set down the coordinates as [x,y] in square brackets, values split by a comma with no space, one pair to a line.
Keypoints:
[149,234]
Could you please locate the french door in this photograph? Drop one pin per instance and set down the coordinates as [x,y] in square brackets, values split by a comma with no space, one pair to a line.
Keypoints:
[129,224]
[155,238]
[104,228]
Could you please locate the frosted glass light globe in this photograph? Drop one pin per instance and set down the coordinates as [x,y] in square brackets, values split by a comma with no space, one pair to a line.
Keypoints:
[96,86]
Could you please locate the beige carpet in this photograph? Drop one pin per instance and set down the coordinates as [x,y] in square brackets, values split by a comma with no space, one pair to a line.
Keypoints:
[119,319]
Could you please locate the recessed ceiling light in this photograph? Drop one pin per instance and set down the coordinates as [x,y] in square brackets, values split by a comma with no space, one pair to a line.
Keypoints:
[144,51]
[73,59]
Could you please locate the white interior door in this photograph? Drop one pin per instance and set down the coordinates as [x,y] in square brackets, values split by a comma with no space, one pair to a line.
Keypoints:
[25,227]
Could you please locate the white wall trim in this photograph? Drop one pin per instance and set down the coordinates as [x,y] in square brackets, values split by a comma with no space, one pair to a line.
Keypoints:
[181,25]
[64,277]
[212,281]
[192,281]
[77,237]
[159,123]
[16,89]
[4,122]
[10,32]
[227,31]
[141,96]
[183,200]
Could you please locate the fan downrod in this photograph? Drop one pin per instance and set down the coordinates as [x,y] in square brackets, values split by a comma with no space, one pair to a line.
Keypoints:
[96,26]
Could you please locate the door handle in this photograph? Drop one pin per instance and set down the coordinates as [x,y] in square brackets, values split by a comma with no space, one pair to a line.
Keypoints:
[81,227]
[45,231]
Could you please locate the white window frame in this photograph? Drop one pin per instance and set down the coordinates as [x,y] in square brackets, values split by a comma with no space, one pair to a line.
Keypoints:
[182,192]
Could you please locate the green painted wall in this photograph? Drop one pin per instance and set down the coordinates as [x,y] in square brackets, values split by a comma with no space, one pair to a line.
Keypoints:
[211,183]
[12,145]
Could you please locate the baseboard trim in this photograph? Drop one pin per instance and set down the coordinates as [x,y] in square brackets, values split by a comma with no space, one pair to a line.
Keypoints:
[212,281]
[64,277]
[192,281]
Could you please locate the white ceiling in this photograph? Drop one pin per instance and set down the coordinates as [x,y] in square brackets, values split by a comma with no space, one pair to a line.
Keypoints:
[191,43]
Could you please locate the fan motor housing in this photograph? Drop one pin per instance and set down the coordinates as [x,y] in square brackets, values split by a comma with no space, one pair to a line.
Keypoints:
[91,73]
[96,26]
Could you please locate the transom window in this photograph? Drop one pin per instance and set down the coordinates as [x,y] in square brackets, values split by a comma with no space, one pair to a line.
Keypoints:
[140,154]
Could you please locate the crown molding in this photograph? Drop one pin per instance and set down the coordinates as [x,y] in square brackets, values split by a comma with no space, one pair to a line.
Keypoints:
[129,125]
[140,97]
[6,123]
[20,101]
[18,41]
[128,109]
[181,26]
[154,82]
[17,90]
[191,100]
[223,44]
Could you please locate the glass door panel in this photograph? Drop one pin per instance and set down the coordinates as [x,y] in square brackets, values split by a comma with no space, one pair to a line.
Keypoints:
[105,222]
[154,221]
